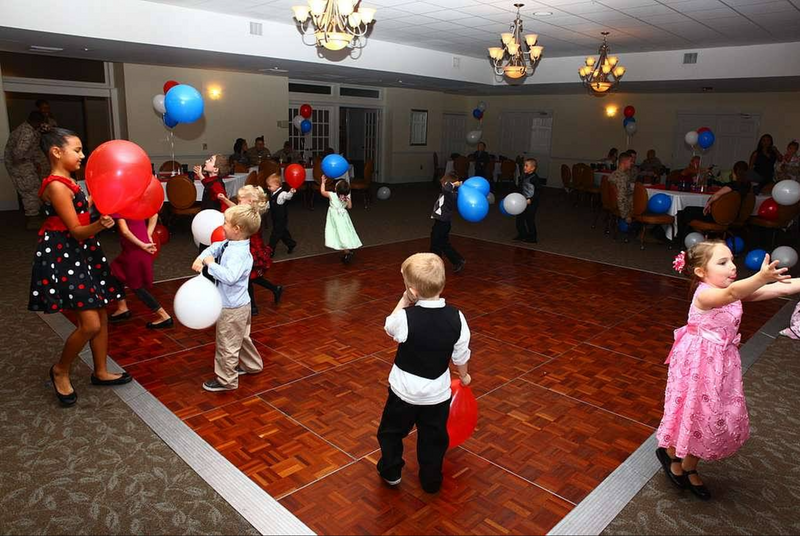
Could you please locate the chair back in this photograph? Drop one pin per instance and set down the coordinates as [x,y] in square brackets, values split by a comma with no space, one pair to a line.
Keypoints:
[507,169]
[640,199]
[582,176]
[252,179]
[269,166]
[171,165]
[611,189]
[576,171]
[566,176]
[181,192]
[317,170]
[240,168]
[461,166]
[605,197]
[746,208]
[725,209]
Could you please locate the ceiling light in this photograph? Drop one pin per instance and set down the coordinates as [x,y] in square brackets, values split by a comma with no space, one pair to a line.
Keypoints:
[335,24]
[520,62]
[39,48]
[603,74]
[542,13]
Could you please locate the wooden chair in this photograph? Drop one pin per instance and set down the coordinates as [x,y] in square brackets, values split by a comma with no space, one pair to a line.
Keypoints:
[364,183]
[461,167]
[182,198]
[566,180]
[786,213]
[612,221]
[253,179]
[724,211]
[583,180]
[171,166]
[745,210]
[508,172]
[269,166]
[313,187]
[240,168]
[639,212]
[438,172]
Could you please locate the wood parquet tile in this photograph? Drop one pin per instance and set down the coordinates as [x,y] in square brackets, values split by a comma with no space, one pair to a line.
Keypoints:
[561,444]
[567,364]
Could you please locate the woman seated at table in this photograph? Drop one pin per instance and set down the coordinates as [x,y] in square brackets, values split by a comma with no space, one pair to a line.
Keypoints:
[652,166]
[739,183]
[610,161]
[239,155]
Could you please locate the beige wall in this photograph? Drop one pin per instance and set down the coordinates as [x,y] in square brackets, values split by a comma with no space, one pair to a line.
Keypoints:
[582,132]
[404,162]
[251,105]
[8,195]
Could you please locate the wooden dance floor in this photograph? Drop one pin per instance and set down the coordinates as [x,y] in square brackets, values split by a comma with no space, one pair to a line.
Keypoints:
[567,362]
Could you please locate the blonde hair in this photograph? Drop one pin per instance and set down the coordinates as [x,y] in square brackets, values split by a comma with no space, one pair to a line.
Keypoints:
[698,256]
[256,194]
[245,217]
[274,179]
[425,273]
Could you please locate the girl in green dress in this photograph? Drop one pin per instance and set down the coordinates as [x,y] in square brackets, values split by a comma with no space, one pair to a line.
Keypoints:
[339,231]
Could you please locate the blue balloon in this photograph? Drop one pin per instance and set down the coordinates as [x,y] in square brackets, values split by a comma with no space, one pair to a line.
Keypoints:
[628,120]
[184,104]
[169,122]
[623,226]
[503,208]
[472,204]
[334,165]
[479,183]
[476,113]
[659,204]
[735,244]
[754,259]
[705,139]
[305,126]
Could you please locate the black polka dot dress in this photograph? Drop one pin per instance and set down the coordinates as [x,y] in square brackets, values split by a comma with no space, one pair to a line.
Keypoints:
[68,274]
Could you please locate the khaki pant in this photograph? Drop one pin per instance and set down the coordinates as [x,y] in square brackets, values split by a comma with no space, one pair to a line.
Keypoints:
[234,346]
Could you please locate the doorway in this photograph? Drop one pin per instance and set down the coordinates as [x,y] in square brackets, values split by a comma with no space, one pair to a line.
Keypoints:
[358,137]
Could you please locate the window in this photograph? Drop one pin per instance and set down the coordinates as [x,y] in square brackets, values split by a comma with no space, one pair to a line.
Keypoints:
[359,92]
[319,138]
[309,88]
[52,68]
[419,127]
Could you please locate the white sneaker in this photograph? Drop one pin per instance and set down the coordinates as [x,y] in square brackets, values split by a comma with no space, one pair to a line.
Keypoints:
[393,482]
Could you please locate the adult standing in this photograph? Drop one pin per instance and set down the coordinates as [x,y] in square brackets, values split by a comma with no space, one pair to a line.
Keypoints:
[621,178]
[762,161]
[26,165]
[44,108]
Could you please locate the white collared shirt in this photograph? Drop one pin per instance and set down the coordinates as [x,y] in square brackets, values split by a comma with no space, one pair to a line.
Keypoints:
[233,272]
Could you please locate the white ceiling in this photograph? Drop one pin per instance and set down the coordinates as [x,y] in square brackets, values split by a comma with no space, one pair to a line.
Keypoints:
[468,27]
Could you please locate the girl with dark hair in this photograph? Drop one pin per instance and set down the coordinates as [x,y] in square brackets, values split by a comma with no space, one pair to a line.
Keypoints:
[339,231]
[762,161]
[70,270]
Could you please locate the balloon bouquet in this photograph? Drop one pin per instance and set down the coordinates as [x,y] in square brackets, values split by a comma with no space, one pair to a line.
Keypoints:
[474,136]
[629,123]
[699,140]
[302,122]
[179,103]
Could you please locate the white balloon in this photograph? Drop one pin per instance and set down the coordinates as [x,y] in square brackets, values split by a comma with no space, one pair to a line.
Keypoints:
[158,104]
[692,239]
[490,198]
[787,256]
[204,224]
[630,128]
[474,136]
[691,138]
[198,303]
[298,121]
[786,192]
[515,204]
[482,106]
[384,193]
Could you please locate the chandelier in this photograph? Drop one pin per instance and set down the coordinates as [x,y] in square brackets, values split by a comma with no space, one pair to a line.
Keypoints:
[604,74]
[520,62]
[336,23]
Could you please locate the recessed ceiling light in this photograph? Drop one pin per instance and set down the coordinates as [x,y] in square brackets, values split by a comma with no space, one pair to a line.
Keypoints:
[39,48]
[542,13]
[86,49]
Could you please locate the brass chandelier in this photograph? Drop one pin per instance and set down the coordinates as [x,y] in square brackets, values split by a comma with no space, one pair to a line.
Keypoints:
[336,24]
[519,61]
[602,75]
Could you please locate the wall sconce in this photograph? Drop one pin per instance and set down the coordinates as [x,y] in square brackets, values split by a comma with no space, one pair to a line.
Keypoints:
[215,93]
[611,111]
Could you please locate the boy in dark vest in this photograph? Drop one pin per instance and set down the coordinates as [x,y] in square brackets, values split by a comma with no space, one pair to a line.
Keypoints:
[278,196]
[442,217]
[431,334]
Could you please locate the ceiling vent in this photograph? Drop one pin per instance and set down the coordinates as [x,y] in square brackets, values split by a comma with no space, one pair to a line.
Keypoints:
[256,28]
[690,57]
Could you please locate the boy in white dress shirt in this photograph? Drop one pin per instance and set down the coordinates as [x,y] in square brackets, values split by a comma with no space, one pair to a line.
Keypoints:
[431,334]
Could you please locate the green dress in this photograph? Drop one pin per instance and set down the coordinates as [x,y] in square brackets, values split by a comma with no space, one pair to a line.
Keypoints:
[339,231]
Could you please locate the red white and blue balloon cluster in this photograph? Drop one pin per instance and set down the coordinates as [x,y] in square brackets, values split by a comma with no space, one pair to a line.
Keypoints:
[302,121]
[702,138]
[629,123]
[474,136]
[180,103]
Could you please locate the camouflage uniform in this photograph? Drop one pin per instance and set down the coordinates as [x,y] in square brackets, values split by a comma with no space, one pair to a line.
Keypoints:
[624,183]
[26,165]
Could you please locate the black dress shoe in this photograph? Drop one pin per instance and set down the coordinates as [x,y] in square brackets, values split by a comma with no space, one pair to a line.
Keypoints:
[125,378]
[278,293]
[120,317]
[663,457]
[518,238]
[291,249]
[168,323]
[700,491]
[66,400]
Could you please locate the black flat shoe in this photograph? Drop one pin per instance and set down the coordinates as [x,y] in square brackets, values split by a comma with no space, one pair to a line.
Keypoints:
[119,318]
[663,457]
[700,491]
[66,400]
[125,378]
[168,323]
[278,293]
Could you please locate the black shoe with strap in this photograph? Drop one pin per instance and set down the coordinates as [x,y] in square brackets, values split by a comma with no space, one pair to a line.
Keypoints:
[663,457]
[66,400]
[700,491]
[122,380]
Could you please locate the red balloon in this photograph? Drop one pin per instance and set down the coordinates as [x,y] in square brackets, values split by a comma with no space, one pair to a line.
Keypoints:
[162,232]
[463,413]
[218,235]
[169,84]
[768,210]
[147,205]
[117,172]
[295,175]
[702,129]
[629,111]
[305,111]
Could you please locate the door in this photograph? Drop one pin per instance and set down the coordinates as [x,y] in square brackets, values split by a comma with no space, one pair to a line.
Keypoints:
[541,135]
[735,136]
[371,118]
[515,134]
[454,136]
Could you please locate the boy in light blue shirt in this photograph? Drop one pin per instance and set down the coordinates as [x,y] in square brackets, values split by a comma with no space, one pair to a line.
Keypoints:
[230,262]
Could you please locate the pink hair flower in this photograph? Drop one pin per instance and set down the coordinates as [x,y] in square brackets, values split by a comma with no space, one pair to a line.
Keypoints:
[679,262]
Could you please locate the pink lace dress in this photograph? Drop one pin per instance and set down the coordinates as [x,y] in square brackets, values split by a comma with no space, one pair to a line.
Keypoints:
[705,414]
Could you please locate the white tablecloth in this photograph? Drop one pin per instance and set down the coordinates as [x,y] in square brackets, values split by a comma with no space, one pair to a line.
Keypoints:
[232,185]
[495,172]
[681,200]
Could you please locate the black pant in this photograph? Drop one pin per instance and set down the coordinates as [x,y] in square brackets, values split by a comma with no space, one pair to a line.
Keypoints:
[147,299]
[440,242]
[526,222]
[280,232]
[684,217]
[399,417]
[261,281]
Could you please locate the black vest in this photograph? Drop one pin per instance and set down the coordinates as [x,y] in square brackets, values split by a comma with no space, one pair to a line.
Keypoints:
[278,212]
[432,334]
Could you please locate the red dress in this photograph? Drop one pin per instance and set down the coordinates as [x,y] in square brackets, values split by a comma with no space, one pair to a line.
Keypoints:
[262,255]
[134,266]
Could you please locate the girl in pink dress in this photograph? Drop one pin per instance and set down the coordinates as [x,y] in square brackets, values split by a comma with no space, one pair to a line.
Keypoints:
[705,415]
[134,267]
